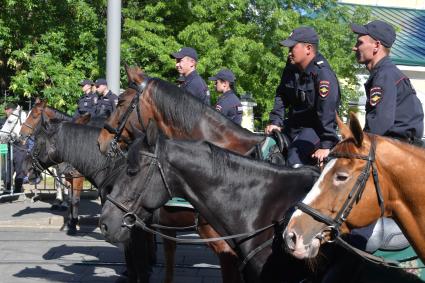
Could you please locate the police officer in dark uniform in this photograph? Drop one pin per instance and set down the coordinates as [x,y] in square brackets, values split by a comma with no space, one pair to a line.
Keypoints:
[228,103]
[392,107]
[310,90]
[106,102]
[186,60]
[87,102]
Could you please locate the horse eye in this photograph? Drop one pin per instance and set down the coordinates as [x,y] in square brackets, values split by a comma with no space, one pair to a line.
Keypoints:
[341,177]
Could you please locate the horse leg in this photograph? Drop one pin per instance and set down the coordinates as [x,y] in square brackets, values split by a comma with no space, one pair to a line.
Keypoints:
[140,255]
[229,261]
[169,254]
[76,188]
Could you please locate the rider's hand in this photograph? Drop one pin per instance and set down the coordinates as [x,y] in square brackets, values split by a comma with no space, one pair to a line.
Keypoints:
[320,155]
[268,130]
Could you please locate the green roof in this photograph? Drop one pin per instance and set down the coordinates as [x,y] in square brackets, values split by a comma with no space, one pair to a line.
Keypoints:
[409,47]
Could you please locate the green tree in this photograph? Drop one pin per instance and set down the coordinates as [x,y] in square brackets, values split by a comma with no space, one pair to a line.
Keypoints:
[46,47]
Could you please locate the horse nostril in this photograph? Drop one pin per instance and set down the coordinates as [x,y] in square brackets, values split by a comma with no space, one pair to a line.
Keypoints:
[291,240]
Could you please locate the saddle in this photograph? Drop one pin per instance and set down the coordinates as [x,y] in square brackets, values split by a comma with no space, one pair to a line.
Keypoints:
[274,148]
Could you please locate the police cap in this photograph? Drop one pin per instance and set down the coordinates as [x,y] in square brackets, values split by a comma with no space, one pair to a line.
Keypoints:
[378,30]
[86,82]
[301,34]
[101,82]
[224,75]
[185,51]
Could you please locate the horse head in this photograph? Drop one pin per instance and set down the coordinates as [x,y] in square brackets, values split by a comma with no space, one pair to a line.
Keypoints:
[43,153]
[138,193]
[33,119]
[127,117]
[343,198]
[10,131]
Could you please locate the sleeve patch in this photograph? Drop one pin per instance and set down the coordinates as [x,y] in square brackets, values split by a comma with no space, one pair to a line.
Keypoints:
[375,95]
[324,88]
[218,108]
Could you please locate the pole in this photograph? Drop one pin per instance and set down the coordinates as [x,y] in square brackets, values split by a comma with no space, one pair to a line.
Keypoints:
[113,46]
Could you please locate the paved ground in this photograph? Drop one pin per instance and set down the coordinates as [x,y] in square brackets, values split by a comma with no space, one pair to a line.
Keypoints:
[34,249]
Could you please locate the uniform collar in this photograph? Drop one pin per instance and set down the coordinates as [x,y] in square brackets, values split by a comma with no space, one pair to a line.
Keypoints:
[192,74]
[312,66]
[227,93]
[382,63]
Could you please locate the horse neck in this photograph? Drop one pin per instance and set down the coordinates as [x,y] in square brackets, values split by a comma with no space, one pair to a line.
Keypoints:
[77,145]
[234,193]
[205,123]
[399,172]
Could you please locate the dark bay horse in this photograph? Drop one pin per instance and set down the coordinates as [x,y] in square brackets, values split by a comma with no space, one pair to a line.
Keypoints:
[180,116]
[234,193]
[382,176]
[42,111]
[75,144]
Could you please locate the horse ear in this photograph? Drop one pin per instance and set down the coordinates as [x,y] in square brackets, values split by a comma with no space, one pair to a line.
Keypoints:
[128,72]
[356,129]
[344,130]
[152,132]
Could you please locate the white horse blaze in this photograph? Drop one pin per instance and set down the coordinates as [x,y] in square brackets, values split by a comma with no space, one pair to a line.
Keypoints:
[316,190]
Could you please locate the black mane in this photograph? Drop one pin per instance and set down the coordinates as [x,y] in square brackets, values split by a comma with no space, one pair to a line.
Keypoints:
[183,109]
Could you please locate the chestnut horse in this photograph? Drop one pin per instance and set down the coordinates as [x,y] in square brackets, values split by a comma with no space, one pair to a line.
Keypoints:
[180,116]
[367,177]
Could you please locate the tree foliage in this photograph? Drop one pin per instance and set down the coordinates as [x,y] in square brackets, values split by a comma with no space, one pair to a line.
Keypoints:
[46,47]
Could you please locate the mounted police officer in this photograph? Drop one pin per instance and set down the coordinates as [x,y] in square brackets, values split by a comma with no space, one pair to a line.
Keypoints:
[228,103]
[392,107]
[186,60]
[106,102]
[310,90]
[87,102]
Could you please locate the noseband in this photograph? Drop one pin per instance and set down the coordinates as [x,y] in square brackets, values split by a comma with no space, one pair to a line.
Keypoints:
[130,218]
[134,104]
[334,224]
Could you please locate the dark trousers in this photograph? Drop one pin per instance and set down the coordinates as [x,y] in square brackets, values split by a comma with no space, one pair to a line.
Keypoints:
[19,154]
[304,142]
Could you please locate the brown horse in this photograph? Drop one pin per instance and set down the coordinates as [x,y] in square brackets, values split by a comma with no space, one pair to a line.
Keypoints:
[180,116]
[368,176]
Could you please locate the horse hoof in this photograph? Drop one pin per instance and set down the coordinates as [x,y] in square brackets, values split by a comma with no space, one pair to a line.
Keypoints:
[71,231]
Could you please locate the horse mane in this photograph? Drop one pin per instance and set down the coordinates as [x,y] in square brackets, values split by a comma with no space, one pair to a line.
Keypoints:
[183,110]
[83,143]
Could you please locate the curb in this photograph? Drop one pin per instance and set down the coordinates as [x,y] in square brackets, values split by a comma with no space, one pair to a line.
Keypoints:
[53,221]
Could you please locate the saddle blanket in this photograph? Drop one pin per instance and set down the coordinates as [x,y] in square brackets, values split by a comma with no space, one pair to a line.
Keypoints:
[179,202]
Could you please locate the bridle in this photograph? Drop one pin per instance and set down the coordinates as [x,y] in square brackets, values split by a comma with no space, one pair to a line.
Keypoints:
[18,120]
[134,104]
[334,224]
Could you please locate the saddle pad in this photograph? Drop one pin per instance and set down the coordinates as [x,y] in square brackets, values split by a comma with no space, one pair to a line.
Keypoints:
[403,257]
[179,202]
[267,146]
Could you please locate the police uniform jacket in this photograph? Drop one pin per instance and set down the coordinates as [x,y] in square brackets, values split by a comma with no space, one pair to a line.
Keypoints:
[86,104]
[230,106]
[392,107]
[311,97]
[106,104]
[196,86]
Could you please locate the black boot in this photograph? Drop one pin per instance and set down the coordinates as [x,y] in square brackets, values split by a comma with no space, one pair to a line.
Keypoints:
[18,185]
